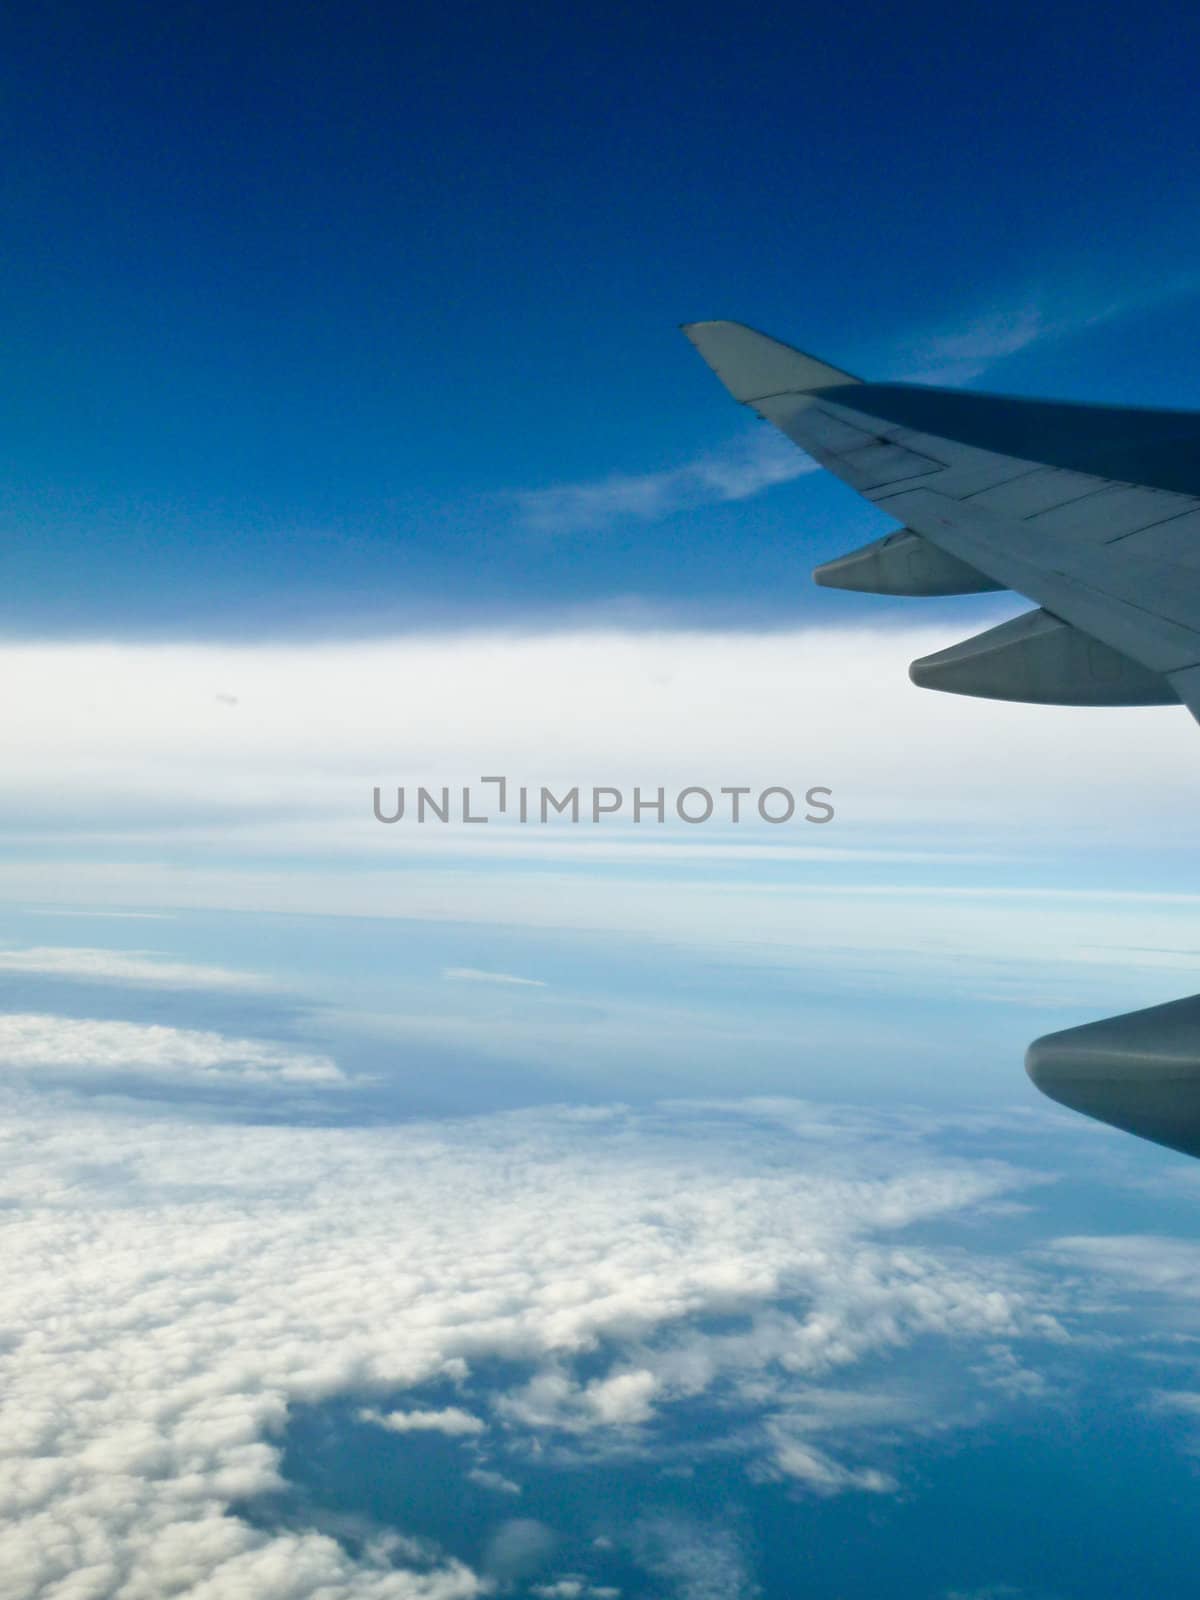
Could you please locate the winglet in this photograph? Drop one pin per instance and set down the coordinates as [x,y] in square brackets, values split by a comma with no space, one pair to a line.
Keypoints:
[753,366]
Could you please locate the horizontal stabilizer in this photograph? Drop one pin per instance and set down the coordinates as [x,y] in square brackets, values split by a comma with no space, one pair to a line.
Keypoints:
[753,366]
[1041,660]
[1139,1072]
[903,563]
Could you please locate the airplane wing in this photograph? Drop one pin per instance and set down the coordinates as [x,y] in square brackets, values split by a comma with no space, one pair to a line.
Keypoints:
[1090,511]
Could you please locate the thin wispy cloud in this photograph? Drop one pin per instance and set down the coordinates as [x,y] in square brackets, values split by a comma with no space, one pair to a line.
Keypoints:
[744,467]
[958,355]
[142,968]
[476,975]
[115,916]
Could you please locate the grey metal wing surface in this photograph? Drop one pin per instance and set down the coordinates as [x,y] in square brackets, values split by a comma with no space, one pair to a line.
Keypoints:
[1090,511]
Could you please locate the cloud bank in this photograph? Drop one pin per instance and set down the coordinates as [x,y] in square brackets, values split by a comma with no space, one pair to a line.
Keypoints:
[292,768]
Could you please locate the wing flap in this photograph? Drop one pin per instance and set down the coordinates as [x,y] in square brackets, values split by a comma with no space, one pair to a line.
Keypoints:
[1030,494]
[1114,511]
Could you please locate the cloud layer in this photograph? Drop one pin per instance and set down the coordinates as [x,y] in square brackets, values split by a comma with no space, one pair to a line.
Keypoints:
[149,755]
[167,1304]
[952,816]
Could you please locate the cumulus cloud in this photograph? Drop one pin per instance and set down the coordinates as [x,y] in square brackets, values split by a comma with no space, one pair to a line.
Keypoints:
[552,1399]
[166,1307]
[34,1043]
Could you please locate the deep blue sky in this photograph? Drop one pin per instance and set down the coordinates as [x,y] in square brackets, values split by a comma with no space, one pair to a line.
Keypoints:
[296,298]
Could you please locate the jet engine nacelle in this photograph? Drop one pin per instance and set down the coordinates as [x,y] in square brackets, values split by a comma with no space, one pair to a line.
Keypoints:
[1139,1072]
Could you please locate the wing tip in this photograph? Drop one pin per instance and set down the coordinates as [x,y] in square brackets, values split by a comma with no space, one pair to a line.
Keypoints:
[753,366]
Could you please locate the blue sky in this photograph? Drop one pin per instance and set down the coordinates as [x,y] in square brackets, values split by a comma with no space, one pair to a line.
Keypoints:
[613,1211]
[298,302]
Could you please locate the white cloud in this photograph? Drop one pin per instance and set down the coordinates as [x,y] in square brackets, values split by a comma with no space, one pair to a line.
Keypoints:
[486,1478]
[958,355]
[150,763]
[552,1399]
[450,1420]
[747,465]
[165,1307]
[139,967]
[31,1042]
[1146,1263]
[574,1587]
[475,975]
[815,1470]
